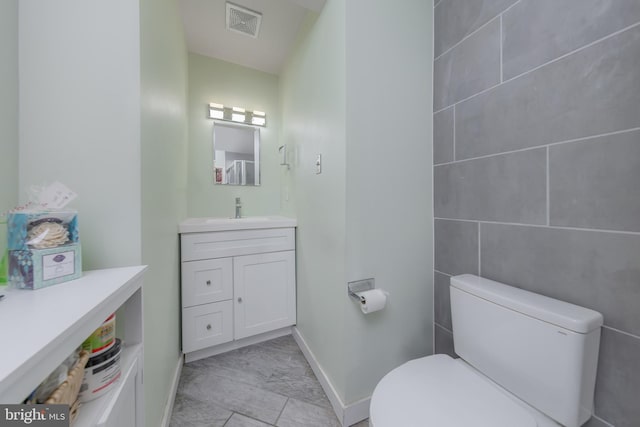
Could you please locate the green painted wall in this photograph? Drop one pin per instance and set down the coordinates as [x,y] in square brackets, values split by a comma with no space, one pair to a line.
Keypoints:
[389,184]
[8,110]
[313,109]
[360,218]
[213,80]
[163,58]
[80,117]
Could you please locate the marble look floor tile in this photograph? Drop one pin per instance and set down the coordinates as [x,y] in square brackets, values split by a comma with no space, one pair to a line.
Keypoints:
[284,344]
[363,423]
[238,420]
[297,413]
[277,366]
[235,396]
[189,412]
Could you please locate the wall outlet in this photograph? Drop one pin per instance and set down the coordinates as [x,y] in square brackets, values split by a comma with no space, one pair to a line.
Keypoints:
[318,164]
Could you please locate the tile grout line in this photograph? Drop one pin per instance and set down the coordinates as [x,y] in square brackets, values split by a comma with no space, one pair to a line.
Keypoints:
[228,419]
[551,144]
[630,335]
[479,250]
[442,327]
[281,411]
[454,133]
[501,61]
[442,272]
[559,58]
[606,423]
[499,15]
[552,227]
[548,190]
[586,46]
[471,34]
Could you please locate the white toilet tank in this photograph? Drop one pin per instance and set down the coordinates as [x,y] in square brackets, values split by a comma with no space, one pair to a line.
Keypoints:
[540,349]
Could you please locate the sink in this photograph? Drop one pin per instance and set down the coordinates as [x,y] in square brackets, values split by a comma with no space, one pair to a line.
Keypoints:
[244,218]
[203,225]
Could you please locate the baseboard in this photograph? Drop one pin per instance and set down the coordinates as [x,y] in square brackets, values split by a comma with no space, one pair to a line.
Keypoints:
[347,414]
[168,409]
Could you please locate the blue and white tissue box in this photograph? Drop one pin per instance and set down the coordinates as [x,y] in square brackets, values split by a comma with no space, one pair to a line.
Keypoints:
[32,267]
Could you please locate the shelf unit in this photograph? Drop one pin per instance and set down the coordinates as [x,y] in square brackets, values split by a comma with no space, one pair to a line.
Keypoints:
[39,329]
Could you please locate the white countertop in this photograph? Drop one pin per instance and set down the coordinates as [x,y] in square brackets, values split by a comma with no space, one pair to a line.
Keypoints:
[203,225]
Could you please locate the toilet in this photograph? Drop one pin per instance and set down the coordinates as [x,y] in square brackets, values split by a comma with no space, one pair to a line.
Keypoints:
[526,360]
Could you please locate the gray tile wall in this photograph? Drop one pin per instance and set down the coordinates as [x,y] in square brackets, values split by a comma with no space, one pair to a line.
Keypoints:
[537,166]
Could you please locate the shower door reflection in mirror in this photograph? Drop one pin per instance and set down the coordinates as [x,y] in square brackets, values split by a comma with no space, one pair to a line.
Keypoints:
[236,154]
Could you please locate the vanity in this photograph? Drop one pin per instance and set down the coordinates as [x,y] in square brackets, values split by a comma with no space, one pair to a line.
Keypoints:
[238,282]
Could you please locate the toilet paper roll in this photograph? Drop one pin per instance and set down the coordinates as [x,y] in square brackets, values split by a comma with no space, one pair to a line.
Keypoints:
[372,300]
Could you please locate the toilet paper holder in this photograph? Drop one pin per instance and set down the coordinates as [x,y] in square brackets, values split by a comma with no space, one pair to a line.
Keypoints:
[360,286]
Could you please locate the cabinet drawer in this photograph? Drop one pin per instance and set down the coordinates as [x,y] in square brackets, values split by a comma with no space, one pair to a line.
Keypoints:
[197,246]
[207,281]
[207,325]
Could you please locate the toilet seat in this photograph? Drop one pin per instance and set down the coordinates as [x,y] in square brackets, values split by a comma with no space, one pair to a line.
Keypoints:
[439,391]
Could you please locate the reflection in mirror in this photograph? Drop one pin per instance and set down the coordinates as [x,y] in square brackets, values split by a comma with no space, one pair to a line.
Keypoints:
[236,154]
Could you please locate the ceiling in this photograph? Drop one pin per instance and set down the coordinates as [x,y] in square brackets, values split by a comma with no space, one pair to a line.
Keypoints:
[206,33]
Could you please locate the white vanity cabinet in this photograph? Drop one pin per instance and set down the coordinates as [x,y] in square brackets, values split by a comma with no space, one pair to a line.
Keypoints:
[236,284]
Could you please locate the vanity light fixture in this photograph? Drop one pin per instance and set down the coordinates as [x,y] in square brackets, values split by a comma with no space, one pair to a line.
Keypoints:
[237,114]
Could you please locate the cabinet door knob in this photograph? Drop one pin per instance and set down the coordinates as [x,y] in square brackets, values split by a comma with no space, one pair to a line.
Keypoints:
[239,299]
[208,282]
[208,327]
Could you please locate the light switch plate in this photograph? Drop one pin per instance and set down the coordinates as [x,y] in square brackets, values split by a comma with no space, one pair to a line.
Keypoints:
[318,164]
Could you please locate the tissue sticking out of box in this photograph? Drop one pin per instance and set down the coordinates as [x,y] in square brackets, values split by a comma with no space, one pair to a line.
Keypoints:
[47,234]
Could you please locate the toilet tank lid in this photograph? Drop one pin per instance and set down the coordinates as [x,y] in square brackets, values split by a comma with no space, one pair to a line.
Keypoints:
[560,313]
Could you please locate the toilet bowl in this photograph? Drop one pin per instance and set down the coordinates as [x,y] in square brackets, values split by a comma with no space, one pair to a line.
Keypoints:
[525,361]
[445,392]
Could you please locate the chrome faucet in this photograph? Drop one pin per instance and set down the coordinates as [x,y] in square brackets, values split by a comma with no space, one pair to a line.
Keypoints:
[238,208]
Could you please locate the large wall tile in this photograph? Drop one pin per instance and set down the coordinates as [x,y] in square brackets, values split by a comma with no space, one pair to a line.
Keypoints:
[618,379]
[595,183]
[591,92]
[443,136]
[456,247]
[443,341]
[474,65]
[442,300]
[508,188]
[538,31]
[594,269]
[455,19]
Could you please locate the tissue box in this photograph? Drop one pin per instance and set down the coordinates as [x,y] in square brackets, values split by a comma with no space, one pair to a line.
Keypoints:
[20,223]
[43,247]
[39,268]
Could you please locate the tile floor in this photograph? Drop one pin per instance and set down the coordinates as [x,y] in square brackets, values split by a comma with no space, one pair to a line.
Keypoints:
[266,384]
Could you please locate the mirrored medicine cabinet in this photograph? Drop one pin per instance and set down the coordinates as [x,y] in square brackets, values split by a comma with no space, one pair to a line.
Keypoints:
[236,154]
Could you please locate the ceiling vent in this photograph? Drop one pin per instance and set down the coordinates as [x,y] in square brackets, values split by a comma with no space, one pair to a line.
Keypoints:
[242,20]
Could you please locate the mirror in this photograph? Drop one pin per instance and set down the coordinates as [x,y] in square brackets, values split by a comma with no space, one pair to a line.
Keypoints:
[236,154]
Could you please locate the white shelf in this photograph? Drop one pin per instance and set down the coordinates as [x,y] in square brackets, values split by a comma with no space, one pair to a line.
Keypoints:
[39,329]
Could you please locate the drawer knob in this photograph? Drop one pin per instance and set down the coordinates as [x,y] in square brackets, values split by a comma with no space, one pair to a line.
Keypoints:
[208,282]
[239,299]
[208,327]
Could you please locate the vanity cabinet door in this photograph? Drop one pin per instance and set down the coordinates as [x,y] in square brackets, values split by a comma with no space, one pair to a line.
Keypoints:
[207,281]
[264,292]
